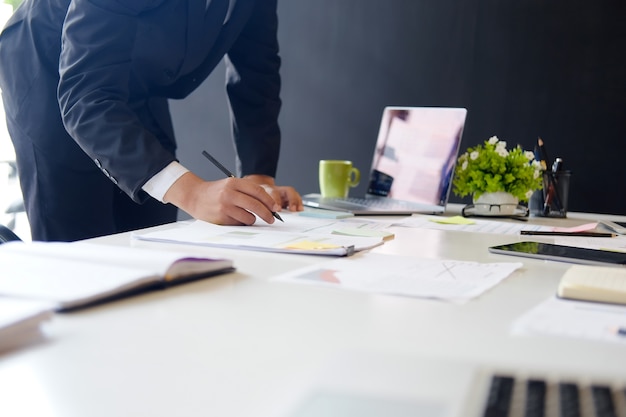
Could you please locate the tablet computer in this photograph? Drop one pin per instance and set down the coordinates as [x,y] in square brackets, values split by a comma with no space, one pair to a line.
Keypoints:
[552,252]
[617,227]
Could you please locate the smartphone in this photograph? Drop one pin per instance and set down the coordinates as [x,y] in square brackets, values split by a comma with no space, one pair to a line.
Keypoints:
[552,252]
[617,227]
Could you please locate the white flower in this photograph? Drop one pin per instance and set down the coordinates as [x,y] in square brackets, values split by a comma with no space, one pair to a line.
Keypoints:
[529,194]
[501,149]
[493,140]
[529,155]
[474,155]
[502,152]
[536,173]
[464,165]
[536,164]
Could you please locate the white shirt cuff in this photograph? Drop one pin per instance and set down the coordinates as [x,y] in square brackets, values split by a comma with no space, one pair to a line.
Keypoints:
[158,185]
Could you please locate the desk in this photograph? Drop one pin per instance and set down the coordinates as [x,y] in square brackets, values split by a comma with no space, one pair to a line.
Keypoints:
[240,344]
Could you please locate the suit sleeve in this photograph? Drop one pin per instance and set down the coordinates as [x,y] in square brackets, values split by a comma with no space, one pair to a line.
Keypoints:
[253,87]
[94,93]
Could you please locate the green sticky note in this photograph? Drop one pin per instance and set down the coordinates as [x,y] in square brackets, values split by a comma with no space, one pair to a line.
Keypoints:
[453,220]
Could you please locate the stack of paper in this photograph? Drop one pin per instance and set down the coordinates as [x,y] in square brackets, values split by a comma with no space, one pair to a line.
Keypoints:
[571,318]
[296,235]
[594,283]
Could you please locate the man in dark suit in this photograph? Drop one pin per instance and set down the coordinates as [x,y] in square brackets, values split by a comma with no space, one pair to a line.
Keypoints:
[85,86]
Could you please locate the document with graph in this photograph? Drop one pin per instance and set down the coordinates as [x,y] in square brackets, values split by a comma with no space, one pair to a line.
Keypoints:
[456,281]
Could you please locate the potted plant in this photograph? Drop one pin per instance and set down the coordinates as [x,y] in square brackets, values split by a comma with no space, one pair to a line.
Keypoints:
[497,177]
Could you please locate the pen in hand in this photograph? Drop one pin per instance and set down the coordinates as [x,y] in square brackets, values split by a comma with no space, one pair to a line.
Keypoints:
[230,174]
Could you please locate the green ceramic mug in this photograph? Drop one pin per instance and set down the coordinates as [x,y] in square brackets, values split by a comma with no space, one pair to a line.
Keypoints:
[337,177]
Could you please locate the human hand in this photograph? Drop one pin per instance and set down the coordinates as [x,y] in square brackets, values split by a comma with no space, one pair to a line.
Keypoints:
[285,196]
[231,201]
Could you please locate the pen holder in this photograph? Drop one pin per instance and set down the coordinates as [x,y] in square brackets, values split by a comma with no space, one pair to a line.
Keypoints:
[557,204]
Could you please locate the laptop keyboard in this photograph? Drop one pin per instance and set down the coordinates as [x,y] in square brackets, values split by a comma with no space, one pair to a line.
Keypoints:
[383,203]
[510,396]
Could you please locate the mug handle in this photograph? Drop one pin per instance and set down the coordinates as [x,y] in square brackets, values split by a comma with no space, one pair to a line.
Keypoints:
[355,177]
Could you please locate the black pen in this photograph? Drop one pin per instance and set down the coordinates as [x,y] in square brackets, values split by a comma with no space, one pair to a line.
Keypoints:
[230,174]
[580,234]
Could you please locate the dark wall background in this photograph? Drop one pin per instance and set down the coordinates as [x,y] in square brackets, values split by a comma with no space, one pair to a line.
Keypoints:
[523,69]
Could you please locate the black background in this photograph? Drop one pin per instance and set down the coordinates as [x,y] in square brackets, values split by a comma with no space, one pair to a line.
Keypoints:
[523,69]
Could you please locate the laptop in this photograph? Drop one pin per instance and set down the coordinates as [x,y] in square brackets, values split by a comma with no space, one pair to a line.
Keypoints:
[412,166]
[374,384]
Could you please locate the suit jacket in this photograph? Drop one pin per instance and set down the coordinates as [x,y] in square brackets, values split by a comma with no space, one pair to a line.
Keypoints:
[114,64]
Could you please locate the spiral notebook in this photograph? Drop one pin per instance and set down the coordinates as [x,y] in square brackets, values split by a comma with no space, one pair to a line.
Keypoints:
[412,165]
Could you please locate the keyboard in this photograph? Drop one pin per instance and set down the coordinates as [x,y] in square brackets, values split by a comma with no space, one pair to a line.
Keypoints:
[382,203]
[370,205]
[511,396]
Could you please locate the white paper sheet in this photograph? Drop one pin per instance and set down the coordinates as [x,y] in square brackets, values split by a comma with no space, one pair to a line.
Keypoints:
[450,280]
[569,318]
[478,225]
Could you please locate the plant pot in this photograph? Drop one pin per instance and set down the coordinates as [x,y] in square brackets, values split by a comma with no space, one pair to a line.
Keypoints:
[499,203]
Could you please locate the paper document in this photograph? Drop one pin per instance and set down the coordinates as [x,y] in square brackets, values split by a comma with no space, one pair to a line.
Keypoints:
[477,225]
[569,318]
[351,226]
[450,280]
[297,235]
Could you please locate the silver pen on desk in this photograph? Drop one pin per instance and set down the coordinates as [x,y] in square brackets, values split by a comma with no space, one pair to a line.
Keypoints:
[230,174]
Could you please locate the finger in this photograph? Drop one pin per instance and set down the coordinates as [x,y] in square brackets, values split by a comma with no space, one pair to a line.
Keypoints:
[236,216]
[262,193]
[291,199]
[248,199]
[275,193]
[231,203]
[226,212]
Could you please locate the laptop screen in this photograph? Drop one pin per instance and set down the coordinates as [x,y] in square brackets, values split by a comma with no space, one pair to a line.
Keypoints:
[416,153]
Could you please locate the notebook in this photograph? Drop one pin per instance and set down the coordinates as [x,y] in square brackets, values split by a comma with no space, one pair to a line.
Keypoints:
[412,165]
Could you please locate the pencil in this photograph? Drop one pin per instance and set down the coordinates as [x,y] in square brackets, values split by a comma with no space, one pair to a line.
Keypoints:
[218,164]
[230,174]
[580,234]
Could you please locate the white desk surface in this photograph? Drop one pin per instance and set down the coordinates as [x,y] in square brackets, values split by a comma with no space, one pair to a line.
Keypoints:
[243,345]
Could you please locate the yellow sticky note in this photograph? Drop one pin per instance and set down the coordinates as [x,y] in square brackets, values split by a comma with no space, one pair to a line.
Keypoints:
[453,220]
[311,245]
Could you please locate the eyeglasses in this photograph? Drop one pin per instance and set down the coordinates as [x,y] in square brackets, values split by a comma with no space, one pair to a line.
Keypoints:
[495,210]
